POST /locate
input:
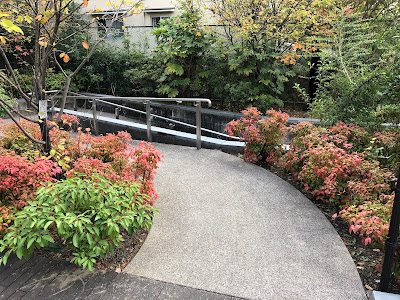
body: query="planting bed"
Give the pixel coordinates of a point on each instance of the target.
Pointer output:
(115, 261)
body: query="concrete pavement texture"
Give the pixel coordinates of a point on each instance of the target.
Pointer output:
(233, 228)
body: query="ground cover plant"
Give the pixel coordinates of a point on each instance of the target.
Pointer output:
(84, 195)
(344, 167)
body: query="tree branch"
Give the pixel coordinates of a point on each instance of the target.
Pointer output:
(19, 114)
(19, 125)
(11, 71)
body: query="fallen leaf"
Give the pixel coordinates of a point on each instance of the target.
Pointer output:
(376, 250)
(118, 270)
(360, 268)
(361, 263)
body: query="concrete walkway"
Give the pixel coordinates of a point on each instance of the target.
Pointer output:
(233, 228)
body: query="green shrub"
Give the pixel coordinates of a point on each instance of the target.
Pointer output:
(87, 213)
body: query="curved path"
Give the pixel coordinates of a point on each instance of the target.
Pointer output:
(233, 228)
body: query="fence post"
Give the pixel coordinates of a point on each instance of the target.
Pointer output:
(148, 121)
(198, 124)
(117, 112)
(75, 106)
(95, 125)
(52, 107)
(391, 240)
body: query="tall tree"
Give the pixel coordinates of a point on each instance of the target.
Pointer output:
(39, 24)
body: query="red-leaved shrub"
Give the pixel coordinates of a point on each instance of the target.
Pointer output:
(263, 138)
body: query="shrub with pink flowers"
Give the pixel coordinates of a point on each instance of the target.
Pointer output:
(263, 137)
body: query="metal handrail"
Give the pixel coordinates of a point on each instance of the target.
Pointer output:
(143, 99)
(147, 101)
(169, 119)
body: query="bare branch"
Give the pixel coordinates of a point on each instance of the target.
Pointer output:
(11, 71)
(64, 99)
(59, 66)
(19, 114)
(19, 125)
(76, 32)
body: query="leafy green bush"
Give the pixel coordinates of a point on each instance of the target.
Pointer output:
(358, 75)
(182, 43)
(87, 213)
(117, 71)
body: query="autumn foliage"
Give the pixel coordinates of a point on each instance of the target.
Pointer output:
(263, 137)
(23, 168)
(343, 165)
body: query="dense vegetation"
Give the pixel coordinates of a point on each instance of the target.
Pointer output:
(82, 195)
(345, 165)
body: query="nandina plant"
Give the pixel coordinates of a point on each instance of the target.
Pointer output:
(370, 220)
(345, 165)
(123, 163)
(12, 139)
(19, 180)
(263, 138)
(88, 213)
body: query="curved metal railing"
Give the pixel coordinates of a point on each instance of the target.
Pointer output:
(96, 98)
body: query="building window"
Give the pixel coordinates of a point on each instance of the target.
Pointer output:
(117, 30)
(155, 21)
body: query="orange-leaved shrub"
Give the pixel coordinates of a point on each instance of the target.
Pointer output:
(24, 167)
(349, 167)
(263, 137)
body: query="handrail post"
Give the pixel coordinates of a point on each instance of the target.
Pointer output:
(198, 124)
(148, 121)
(75, 106)
(52, 107)
(117, 112)
(95, 125)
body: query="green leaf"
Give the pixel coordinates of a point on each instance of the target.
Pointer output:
(75, 240)
(5, 257)
(174, 68)
(19, 252)
(47, 225)
(10, 27)
(30, 242)
(48, 238)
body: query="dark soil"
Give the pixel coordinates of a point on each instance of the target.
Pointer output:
(115, 261)
(367, 259)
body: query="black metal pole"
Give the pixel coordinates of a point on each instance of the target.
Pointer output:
(391, 240)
